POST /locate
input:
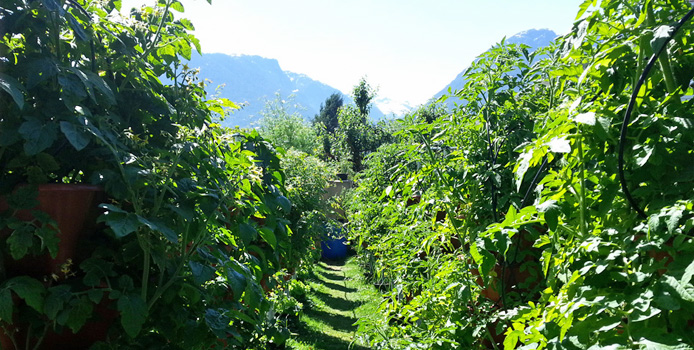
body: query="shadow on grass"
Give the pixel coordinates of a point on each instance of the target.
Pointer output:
(331, 325)
(325, 341)
(336, 286)
(331, 276)
(337, 322)
(336, 303)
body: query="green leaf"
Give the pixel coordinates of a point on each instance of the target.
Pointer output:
(667, 302)
(78, 313)
(483, 259)
(584, 7)
(643, 155)
(79, 139)
(100, 84)
(76, 27)
(176, 5)
(5, 305)
(660, 36)
(546, 260)
(673, 219)
(14, 88)
(57, 297)
(40, 70)
(201, 273)
(95, 270)
(49, 239)
(551, 210)
(269, 237)
(653, 345)
(168, 233)
(284, 203)
(684, 291)
(121, 224)
(236, 279)
(52, 5)
(21, 240)
(38, 135)
(133, 313)
(28, 289)
(688, 273)
(247, 232)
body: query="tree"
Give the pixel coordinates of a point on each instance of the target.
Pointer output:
(285, 127)
(327, 116)
(325, 122)
(363, 94)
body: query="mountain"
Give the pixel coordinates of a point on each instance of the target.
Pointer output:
(253, 80)
(535, 38)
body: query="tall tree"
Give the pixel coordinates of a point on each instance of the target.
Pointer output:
(363, 94)
(328, 112)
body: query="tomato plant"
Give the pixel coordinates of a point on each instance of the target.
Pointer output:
(505, 222)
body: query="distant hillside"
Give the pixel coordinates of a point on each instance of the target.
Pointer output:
(252, 80)
(535, 38)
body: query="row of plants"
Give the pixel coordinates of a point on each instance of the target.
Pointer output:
(553, 207)
(181, 227)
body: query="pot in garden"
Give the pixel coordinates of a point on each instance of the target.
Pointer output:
(334, 245)
(74, 208)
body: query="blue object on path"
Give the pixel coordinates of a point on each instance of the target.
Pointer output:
(334, 246)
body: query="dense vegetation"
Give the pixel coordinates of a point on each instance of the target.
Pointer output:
(505, 224)
(552, 208)
(195, 228)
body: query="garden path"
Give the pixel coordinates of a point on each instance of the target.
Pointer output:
(339, 297)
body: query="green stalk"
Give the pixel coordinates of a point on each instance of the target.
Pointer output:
(582, 177)
(664, 58)
(152, 45)
(56, 31)
(146, 264)
(449, 206)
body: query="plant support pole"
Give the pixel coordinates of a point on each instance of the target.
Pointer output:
(630, 109)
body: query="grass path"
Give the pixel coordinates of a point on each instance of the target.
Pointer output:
(339, 298)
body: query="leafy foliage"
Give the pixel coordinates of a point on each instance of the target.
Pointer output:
(287, 129)
(503, 224)
(195, 224)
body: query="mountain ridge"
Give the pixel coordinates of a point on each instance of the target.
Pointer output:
(535, 38)
(251, 80)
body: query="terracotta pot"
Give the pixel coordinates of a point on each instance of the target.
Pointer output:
(74, 208)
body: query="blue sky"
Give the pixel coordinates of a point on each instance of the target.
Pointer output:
(409, 49)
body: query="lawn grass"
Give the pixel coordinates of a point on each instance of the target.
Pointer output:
(339, 297)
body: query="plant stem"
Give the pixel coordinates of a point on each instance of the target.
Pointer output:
(144, 245)
(491, 339)
(582, 175)
(664, 58)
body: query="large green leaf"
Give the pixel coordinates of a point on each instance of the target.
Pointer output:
(30, 290)
(268, 236)
(79, 139)
(38, 134)
(5, 305)
(119, 221)
(237, 279)
(14, 88)
(21, 240)
(160, 227)
(201, 273)
(133, 313)
(57, 297)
